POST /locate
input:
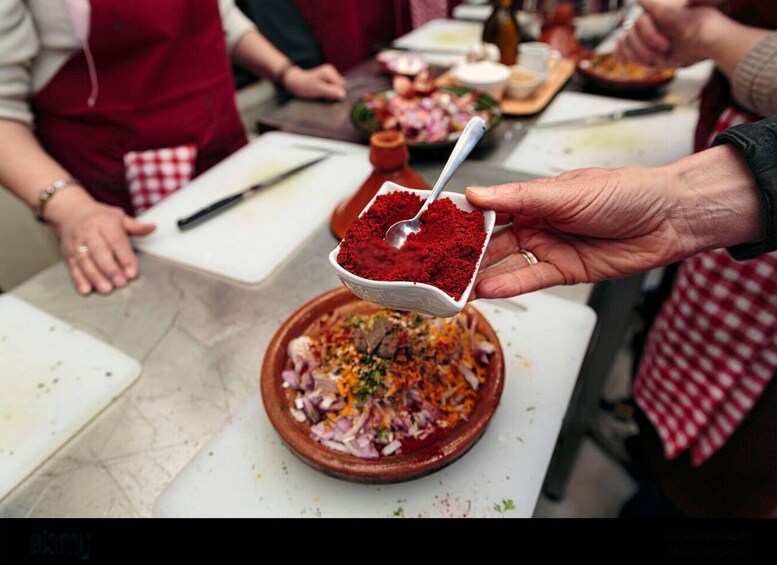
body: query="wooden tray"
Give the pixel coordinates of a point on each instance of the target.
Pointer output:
(513, 107)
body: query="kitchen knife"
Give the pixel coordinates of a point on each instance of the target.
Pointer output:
(219, 206)
(605, 118)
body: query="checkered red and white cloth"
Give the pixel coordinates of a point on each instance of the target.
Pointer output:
(156, 173)
(729, 118)
(712, 349)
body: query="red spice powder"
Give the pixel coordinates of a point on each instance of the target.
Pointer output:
(443, 254)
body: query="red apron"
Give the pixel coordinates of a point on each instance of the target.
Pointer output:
(164, 81)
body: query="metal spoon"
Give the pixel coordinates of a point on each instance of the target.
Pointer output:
(398, 233)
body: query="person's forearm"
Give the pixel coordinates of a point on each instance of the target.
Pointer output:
(729, 45)
(255, 53)
(26, 169)
(718, 202)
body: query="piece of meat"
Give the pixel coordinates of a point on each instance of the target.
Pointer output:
(388, 346)
(380, 328)
(359, 338)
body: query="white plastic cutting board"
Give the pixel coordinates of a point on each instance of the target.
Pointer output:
(53, 380)
(443, 42)
(249, 241)
(442, 35)
(642, 141)
(245, 470)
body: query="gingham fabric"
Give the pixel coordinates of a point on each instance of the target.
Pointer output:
(712, 349)
(729, 118)
(156, 173)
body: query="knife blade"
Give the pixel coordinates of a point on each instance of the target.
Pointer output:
(219, 206)
(605, 118)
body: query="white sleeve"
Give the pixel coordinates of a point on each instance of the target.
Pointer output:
(235, 23)
(19, 45)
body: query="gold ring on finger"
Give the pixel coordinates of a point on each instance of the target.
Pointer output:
(529, 256)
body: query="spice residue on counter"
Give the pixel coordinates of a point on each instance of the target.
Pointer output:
(444, 253)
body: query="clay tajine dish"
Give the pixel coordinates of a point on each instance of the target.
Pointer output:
(442, 450)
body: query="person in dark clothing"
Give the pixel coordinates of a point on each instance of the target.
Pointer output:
(591, 225)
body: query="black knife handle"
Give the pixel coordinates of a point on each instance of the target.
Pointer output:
(647, 110)
(215, 208)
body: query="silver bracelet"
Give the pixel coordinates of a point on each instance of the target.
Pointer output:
(45, 195)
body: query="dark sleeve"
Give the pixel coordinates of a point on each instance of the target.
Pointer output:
(757, 142)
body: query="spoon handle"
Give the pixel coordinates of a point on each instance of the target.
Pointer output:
(472, 133)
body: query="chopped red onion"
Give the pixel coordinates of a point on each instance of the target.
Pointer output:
(300, 352)
(363, 449)
(343, 425)
(335, 445)
(306, 381)
(320, 431)
(391, 447)
(469, 376)
(291, 378)
(359, 423)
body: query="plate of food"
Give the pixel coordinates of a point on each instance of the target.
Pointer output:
(380, 396)
(430, 117)
(606, 72)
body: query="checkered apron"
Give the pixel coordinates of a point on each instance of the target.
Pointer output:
(712, 349)
(156, 173)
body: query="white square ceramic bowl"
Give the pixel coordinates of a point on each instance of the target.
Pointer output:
(406, 295)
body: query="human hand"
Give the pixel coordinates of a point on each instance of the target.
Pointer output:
(94, 239)
(320, 82)
(591, 225)
(673, 33)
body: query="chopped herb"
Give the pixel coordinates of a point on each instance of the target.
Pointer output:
(399, 512)
(108, 374)
(373, 371)
(529, 408)
(519, 438)
(382, 435)
(504, 506)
